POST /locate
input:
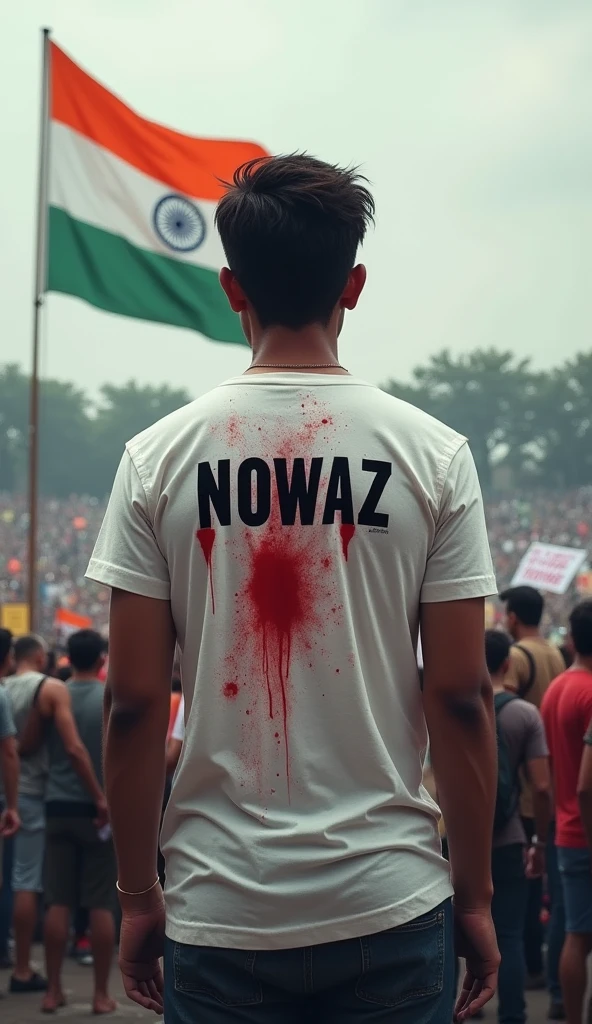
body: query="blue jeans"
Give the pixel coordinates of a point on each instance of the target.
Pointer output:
(556, 927)
(575, 867)
(508, 909)
(533, 929)
(405, 975)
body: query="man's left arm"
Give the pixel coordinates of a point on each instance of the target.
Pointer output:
(584, 790)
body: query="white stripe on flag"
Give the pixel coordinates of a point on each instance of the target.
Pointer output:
(98, 188)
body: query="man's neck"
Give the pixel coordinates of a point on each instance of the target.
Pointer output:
(313, 349)
(497, 683)
(528, 633)
(582, 663)
(84, 677)
(25, 667)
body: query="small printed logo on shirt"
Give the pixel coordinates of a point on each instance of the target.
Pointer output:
(375, 529)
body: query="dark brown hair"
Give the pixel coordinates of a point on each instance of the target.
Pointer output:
(291, 227)
(580, 622)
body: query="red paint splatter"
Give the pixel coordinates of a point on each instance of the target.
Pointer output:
(206, 538)
(346, 531)
(230, 690)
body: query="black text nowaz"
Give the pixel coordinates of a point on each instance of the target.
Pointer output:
(297, 486)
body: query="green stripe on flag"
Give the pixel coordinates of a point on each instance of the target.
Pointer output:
(109, 272)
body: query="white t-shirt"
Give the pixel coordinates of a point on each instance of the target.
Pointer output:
(178, 732)
(295, 523)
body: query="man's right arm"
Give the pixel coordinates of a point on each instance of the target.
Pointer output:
(585, 787)
(538, 771)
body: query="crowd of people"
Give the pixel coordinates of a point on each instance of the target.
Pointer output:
(68, 530)
(291, 534)
(58, 858)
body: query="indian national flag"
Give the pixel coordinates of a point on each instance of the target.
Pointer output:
(131, 208)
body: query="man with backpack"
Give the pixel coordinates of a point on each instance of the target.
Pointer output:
(521, 745)
(533, 664)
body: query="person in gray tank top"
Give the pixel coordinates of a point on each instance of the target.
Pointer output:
(35, 699)
(80, 869)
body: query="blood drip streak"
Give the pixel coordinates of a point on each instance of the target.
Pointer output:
(280, 611)
(283, 674)
(346, 531)
(206, 538)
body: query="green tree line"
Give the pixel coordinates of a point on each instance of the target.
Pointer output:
(529, 427)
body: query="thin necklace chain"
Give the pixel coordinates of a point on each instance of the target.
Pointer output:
(298, 366)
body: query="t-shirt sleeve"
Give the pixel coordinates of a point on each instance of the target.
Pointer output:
(459, 563)
(7, 726)
(127, 555)
(535, 743)
(178, 732)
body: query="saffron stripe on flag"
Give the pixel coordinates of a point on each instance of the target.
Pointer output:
(189, 165)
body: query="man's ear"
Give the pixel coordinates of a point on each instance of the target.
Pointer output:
(353, 288)
(234, 292)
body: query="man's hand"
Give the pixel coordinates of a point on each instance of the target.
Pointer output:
(476, 942)
(535, 862)
(141, 945)
(102, 817)
(10, 823)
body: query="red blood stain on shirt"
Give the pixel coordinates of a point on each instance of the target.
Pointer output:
(283, 603)
(346, 531)
(206, 538)
(230, 690)
(281, 599)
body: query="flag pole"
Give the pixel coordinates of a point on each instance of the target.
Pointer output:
(40, 287)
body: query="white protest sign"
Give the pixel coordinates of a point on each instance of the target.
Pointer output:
(549, 567)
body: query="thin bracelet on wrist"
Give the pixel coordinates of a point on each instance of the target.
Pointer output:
(539, 844)
(143, 892)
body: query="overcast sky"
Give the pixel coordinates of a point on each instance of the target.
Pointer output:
(471, 118)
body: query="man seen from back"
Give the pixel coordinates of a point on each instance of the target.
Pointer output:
(534, 663)
(567, 713)
(290, 530)
(36, 698)
(524, 747)
(80, 871)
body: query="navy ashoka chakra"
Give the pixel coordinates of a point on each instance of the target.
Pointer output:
(178, 223)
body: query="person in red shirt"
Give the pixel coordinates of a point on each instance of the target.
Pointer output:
(567, 710)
